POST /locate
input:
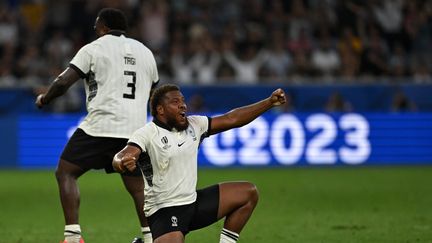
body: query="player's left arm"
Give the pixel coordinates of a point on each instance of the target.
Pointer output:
(243, 115)
(58, 87)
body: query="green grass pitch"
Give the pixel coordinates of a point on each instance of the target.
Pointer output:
(344, 204)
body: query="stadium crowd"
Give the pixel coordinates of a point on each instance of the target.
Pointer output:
(230, 41)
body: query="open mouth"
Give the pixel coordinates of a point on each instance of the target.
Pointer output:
(182, 116)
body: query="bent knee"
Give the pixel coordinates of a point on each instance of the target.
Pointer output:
(253, 193)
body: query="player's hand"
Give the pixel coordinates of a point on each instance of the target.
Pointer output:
(117, 165)
(128, 162)
(278, 97)
(126, 159)
(38, 101)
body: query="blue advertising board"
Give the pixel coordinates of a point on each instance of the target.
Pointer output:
(271, 140)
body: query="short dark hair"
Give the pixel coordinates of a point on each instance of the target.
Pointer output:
(113, 19)
(159, 94)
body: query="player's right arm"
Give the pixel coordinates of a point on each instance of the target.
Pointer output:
(126, 158)
(60, 85)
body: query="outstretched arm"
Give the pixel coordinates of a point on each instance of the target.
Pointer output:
(243, 115)
(126, 159)
(60, 85)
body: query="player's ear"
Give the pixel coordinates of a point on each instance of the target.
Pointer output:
(103, 30)
(100, 28)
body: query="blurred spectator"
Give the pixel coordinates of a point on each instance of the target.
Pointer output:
(350, 49)
(279, 61)
(300, 27)
(349, 41)
(7, 80)
(401, 103)
(59, 48)
(300, 43)
(30, 68)
(388, 14)
(375, 56)
(325, 58)
(7, 56)
(398, 62)
(8, 26)
(337, 103)
(422, 37)
(352, 14)
(417, 26)
(57, 15)
(323, 14)
(225, 73)
(247, 67)
(302, 66)
(421, 71)
(33, 15)
(276, 15)
(154, 23)
(181, 64)
(350, 65)
(206, 59)
(411, 19)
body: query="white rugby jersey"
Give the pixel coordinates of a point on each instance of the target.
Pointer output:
(170, 174)
(119, 73)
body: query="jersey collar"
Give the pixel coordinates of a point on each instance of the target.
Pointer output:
(116, 32)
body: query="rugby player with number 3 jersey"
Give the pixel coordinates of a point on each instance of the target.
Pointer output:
(119, 73)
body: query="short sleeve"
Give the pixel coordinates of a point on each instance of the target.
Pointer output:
(203, 124)
(138, 138)
(81, 61)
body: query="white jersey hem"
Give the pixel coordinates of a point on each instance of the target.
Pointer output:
(154, 209)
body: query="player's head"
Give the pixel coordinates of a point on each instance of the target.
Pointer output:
(168, 105)
(109, 19)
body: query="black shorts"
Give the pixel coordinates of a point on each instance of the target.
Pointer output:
(90, 152)
(203, 212)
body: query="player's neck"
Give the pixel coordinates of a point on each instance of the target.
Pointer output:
(162, 123)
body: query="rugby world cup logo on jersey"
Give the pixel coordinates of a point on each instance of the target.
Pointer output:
(164, 140)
